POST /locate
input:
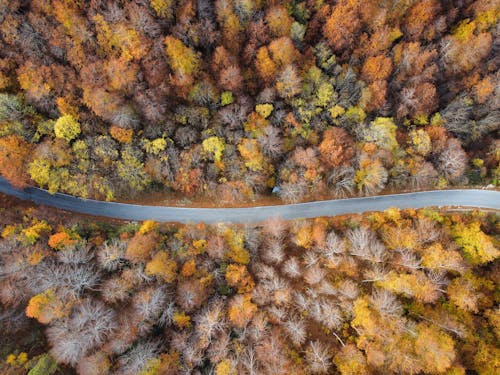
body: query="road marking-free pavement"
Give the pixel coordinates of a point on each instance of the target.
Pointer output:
(489, 199)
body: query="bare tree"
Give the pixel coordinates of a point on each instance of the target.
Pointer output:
(87, 327)
(365, 245)
(271, 142)
(111, 255)
(69, 279)
(386, 302)
(453, 160)
(291, 268)
(272, 251)
(135, 360)
(318, 357)
(148, 306)
(426, 230)
(293, 192)
(76, 254)
(375, 273)
(348, 289)
(296, 330)
(275, 227)
(115, 289)
(210, 321)
(409, 259)
(314, 274)
(248, 361)
(334, 245)
(341, 181)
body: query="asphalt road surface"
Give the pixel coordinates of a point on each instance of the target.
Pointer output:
(489, 199)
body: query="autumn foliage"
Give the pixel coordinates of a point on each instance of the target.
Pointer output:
(398, 291)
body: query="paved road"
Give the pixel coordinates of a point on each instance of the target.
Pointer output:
(471, 198)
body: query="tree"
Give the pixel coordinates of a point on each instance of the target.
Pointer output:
(283, 51)
(376, 68)
(351, 361)
(288, 83)
(67, 128)
(464, 292)
(60, 240)
(382, 132)
(97, 363)
(162, 8)
(120, 134)
(238, 277)
(45, 365)
(478, 248)
(419, 19)
(318, 357)
(278, 21)
(342, 25)
(140, 247)
(371, 177)
(183, 60)
(214, 146)
(191, 294)
(265, 65)
(336, 148)
(241, 310)
(45, 307)
(251, 153)
(416, 285)
(225, 367)
(162, 267)
(434, 348)
(15, 153)
(75, 336)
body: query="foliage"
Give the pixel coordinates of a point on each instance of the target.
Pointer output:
(385, 293)
(161, 266)
(14, 155)
(60, 240)
(45, 365)
(475, 244)
(45, 307)
(215, 146)
(67, 128)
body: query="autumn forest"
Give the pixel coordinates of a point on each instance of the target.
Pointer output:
(236, 98)
(236, 102)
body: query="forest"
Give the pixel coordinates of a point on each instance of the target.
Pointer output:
(235, 102)
(393, 292)
(236, 99)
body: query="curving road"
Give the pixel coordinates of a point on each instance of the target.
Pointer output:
(471, 198)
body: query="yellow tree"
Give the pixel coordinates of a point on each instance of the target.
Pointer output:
(67, 128)
(162, 267)
(351, 361)
(214, 146)
(238, 277)
(476, 245)
(434, 348)
(183, 60)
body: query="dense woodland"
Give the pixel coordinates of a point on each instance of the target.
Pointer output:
(232, 98)
(395, 292)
